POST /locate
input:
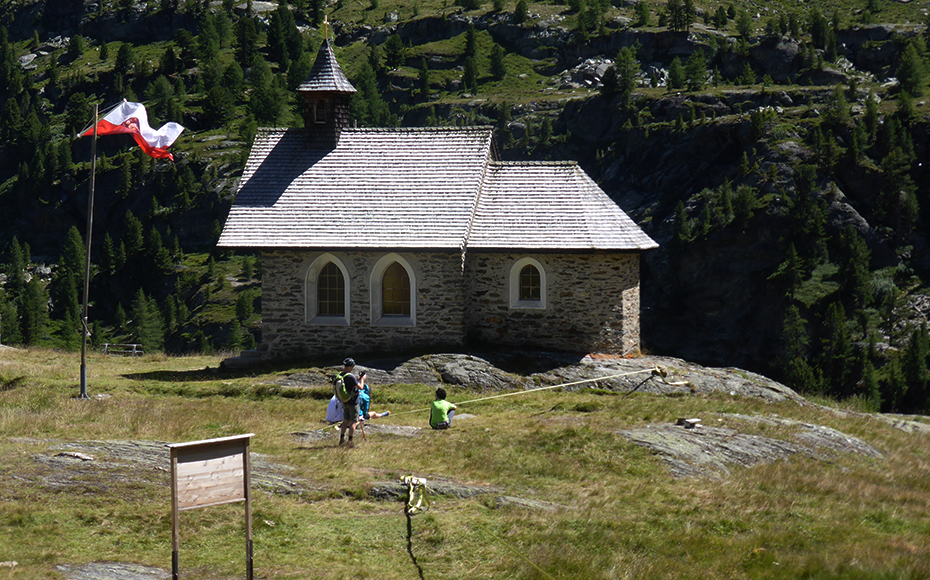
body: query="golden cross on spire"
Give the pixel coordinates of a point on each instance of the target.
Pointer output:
(325, 27)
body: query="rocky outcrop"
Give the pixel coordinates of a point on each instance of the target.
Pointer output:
(733, 441)
(513, 369)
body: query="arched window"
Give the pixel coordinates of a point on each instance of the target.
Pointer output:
(330, 292)
(319, 111)
(527, 284)
(395, 291)
(326, 291)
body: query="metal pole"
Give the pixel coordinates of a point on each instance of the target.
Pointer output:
(87, 241)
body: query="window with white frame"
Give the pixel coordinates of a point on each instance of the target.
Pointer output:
(327, 292)
(527, 284)
(393, 292)
(330, 291)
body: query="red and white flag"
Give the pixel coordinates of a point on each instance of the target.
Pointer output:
(131, 118)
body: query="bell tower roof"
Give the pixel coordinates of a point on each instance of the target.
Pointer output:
(326, 75)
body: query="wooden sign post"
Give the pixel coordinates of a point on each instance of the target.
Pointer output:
(210, 472)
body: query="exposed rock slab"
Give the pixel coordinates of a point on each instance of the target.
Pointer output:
(711, 451)
(391, 490)
(112, 571)
(95, 466)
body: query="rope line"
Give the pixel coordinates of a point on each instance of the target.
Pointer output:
(654, 370)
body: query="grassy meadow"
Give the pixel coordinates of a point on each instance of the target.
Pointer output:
(614, 510)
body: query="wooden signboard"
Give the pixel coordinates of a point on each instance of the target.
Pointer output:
(210, 472)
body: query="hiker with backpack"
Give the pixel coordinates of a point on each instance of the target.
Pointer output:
(346, 388)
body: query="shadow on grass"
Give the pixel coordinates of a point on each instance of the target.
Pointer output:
(213, 374)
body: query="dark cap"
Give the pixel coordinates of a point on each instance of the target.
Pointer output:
(348, 363)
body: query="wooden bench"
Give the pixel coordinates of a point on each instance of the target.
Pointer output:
(123, 349)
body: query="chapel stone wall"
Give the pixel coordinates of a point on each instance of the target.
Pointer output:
(592, 303)
(287, 332)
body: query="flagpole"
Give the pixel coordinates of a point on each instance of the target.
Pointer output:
(90, 227)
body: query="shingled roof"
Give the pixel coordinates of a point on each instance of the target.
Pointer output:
(326, 75)
(438, 189)
(549, 206)
(378, 188)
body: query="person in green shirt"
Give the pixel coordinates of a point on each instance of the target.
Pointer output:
(441, 411)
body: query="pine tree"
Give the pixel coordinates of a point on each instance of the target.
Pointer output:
(642, 15)
(69, 311)
(911, 71)
(471, 43)
(682, 227)
(67, 304)
(696, 71)
(296, 73)
(248, 267)
(676, 75)
(915, 371)
(520, 12)
(802, 377)
(119, 318)
(158, 255)
(748, 76)
(234, 342)
(628, 70)
(9, 322)
(498, 67)
(679, 15)
(790, 270)
(246, 39)
(394, 50)
(837, 350)
(124, 60)
(854, 266)
(744, 205)
(219, 106)
(132, 235)
(794, 334)
(208, 41)
(109, 255)
(34, 312)
(147, 326)
(245, 305)
(470, 75)
(609, 82)
(366, 105)
(869, 389)
(744, 25)
(72, 254)
(817, 26)
(16, 269)
(268, 97)
(423, 79)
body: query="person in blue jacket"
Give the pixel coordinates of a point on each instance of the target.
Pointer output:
(364, 402)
